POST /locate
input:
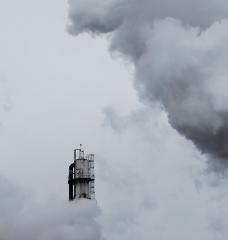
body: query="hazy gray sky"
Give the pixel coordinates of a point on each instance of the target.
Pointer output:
(58, 86)
(59, 90)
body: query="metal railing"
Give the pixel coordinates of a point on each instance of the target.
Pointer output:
(83, 175)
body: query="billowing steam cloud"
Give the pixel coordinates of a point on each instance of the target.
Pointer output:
(22, 218)
(180, 53)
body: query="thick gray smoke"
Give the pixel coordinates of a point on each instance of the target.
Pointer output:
(180, 53)
(23, 218)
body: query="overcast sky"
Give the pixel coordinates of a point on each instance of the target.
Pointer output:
(55, 87)
(58, 91)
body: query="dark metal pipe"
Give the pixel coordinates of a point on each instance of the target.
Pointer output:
(71, 182)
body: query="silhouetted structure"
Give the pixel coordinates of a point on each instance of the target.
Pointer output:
(81, 176)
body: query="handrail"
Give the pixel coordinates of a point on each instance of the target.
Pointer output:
(81, 175)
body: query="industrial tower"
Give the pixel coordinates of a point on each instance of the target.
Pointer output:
(81, 176)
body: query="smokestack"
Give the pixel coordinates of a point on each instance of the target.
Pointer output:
(81, 176)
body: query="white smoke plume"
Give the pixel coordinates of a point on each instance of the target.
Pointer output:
(23, 218)
(160, 189)
(180, 54)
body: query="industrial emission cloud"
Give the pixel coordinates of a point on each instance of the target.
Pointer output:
(24, 218)
(180, 55)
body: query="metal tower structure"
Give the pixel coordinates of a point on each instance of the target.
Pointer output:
(81, 176)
